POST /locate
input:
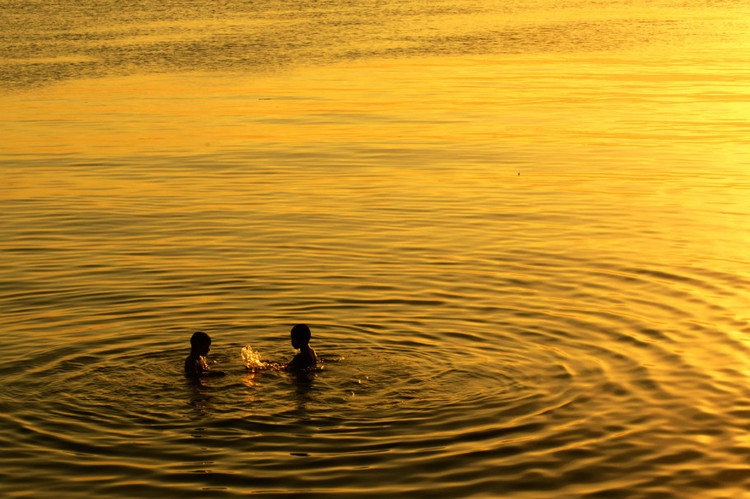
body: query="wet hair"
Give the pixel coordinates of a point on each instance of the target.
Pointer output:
(199, 338)
(302, 332)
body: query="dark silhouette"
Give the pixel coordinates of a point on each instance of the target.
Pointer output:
(195, 364)
(306, 357)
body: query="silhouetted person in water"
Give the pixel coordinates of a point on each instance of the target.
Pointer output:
(306, 357)
(195, 364)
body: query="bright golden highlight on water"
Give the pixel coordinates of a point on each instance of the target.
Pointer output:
(490, 102)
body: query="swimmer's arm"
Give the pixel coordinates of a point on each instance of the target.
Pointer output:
(206, 372)
(293, 364)
(300, 362)
(203, 371)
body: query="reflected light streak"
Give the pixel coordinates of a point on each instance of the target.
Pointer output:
(499, 102)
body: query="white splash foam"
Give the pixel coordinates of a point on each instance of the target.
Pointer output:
(251, 358)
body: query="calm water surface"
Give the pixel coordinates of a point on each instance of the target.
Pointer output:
(518, 230)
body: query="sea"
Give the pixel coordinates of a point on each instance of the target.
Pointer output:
(519, 231)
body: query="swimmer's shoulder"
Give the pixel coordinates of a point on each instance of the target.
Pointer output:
(191, 366)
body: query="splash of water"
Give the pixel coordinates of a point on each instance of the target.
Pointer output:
(251, 358)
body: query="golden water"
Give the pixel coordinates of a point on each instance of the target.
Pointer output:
(518, 230)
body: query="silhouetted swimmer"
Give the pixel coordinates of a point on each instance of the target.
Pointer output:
(306, 357)
(195, 364)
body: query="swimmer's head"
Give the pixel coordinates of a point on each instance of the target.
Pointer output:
(200, 342)
(300, 335)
